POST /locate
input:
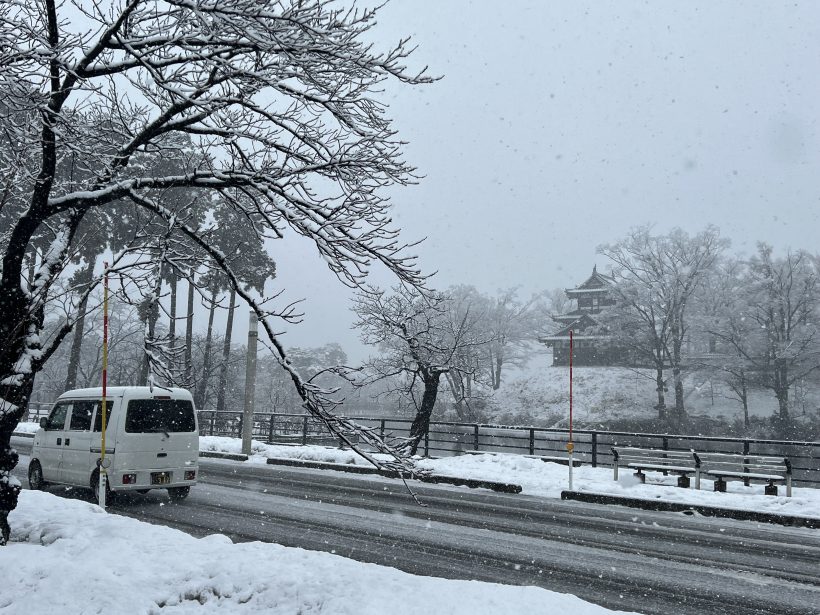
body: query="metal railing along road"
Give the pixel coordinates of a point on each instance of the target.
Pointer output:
(449, 438)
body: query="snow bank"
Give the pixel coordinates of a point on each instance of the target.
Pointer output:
(68, 556)
(26, 427)
(261, 452)
(549, 479)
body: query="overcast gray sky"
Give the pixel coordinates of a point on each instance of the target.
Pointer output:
(557, 126)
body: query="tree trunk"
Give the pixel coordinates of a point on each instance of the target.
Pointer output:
(202, 385)
(150, 329)
(13, 407)
(499, 361)
(421, 423)
(781, 389)
(659, 387)
(458, 395)
(189, 334)
(79, 327)
(226, 354)
(172, 327)
(676, 370)
(20, 312)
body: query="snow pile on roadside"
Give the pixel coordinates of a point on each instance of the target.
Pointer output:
(549, 479)
(26, 427)
(260, 451)
(69, 556)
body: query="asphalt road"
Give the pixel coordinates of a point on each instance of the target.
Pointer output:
(649, 562)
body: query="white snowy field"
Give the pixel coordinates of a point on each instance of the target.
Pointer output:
(549, 479)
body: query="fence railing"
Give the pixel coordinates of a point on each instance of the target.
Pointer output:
(448, 438)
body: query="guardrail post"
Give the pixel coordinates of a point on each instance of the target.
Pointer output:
(213, 424)
(532, 441)
(475, 437)
(665, 443)
(594, 449)
(427, 444)
(304, 430)
(270, 428)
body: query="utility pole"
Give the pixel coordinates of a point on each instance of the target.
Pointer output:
(250, 384)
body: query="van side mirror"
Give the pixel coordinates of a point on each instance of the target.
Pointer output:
(43, 421)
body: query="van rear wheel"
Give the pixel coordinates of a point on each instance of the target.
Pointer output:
(95, 489)
(35, 476)
(177, 494)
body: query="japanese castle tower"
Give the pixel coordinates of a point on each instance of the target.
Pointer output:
(591, 343)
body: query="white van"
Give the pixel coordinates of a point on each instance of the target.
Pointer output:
(151, 441)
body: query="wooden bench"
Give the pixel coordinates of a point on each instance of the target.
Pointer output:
(728, 466)
(681, 463)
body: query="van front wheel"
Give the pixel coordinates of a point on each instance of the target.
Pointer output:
(177, 494)
(35, 476)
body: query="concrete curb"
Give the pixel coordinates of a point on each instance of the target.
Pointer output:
(220, 455)
(322, 465)
(706, 511)
(435, 479)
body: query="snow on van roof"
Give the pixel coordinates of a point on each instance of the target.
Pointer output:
(131, 390)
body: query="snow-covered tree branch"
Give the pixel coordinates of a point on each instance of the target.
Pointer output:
(276, 103)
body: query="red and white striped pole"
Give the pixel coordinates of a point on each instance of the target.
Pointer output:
(570, 445)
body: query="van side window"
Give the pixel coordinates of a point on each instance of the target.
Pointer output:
(81, 412)
(98, 414)
(56, 420)
(160, 415)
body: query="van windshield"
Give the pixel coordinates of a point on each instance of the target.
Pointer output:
(159, 416)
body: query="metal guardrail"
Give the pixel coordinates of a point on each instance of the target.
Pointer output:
(448, 438)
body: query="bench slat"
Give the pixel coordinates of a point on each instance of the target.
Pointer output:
(744, 475)
(661, 467)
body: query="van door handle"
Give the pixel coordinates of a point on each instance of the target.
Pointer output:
(162, 454)
(59, 441)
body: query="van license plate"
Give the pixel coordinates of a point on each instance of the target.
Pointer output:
(160, 478)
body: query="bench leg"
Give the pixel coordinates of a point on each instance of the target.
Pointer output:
(770, 489)
(683, 481)
(640, 476)
(720, 485)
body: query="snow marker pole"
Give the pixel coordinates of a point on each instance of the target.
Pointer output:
(103, 480)
(570, 445)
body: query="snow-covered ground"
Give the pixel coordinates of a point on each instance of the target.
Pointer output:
(549, 479)
(68, 556)
(540, 392)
